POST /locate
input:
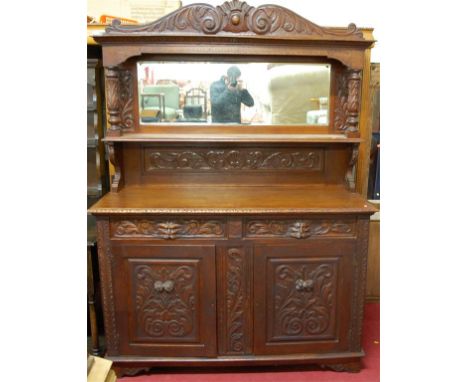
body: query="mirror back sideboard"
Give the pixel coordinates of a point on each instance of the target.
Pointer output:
(233, 244)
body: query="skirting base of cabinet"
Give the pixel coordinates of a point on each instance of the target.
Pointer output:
(131, 365)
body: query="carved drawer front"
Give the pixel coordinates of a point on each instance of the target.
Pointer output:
(170, 228)
(302, 298)
(298, 228)
(166, 300)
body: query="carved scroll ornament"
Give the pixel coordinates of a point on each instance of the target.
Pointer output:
(165, 308)
(236, 17)
(303, 310)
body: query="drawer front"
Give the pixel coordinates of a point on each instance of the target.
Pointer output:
(302, 297)
(168, 228)
(299, 228)
(166, 300)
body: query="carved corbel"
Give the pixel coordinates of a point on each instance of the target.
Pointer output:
(350, 177)
(119, 97)
(114, 157)
(353, 79)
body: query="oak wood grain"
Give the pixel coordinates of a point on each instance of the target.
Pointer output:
(224, 199)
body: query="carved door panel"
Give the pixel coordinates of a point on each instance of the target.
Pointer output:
(302, 297)
(166, 300)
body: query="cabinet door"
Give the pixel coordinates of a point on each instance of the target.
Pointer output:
(165, 300)
(302, 297)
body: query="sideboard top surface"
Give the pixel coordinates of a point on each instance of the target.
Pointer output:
(223, 199)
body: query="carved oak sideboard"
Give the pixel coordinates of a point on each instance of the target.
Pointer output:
(233, 244)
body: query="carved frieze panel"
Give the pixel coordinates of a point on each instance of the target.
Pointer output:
(237, 17)
(299, 229)
(303, 299)
(168, 229)
(165, 300)
(209, 159)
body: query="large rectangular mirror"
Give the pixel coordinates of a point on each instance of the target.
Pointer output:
(247, 93)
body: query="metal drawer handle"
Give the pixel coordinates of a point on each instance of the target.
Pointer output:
(304, 285)
(167, 286)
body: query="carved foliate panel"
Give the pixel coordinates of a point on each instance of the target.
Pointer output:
(237, 17)
(341, 103)
(348, 97)
(299, 229)
(165, 298)
(119, 98)
(303, 299)
(168, 229)
(112, 77)
(126, 99)
(257, 159)
(237, 302)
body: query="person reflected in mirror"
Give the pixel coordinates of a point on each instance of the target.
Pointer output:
(226, 95)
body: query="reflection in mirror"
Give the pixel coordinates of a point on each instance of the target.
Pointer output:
(247, 93)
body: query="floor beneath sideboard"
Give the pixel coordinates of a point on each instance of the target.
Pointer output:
(369, 373)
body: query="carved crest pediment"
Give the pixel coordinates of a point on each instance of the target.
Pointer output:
(236, 17)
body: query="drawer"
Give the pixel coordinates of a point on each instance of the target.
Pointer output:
(299, 228)
(216, 227)
(168, 228)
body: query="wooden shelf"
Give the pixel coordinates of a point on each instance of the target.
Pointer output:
(234, 137)
(222, 199)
